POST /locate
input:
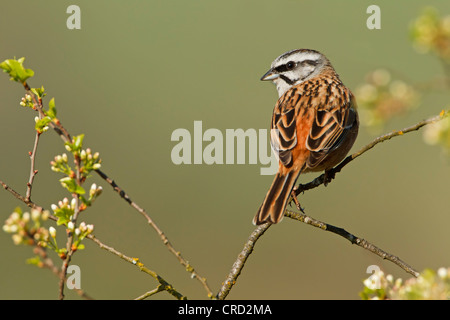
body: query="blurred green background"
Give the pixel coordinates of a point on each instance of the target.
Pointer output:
(137, 70)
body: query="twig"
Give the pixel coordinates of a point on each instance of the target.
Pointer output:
(164, 239)
(33, 171)
(48, 264)
(353, 239)
(165, 285)
(55, 125)
(69, 243)
(17, 195)
(150, 293)
(240, 261)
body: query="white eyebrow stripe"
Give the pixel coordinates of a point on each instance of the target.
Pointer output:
(298, 57)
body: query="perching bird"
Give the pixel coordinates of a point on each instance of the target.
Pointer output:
(314, 124)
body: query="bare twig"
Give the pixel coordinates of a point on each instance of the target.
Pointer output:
(163, 283)
(353, 239)
(33, 171)
(240, 261)
(161, 234)
(150, 293)
(17, 195)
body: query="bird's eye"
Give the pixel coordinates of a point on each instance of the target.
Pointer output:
(290, 65)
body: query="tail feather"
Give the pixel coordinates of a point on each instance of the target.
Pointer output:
(273, 206)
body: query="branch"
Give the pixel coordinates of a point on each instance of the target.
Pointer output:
(240, 261)
(164, 239)
(69, 243)
(150, 293)
(164, 285)
(33, 171)
(353, 239)
(48, 263)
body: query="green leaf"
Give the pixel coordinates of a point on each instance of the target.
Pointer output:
(80, 246)
(63, 215)
(34, 261)
(51, 109)
(39, 92)
(71, 185)
(42, 123)
(78, 142)
(16, 70)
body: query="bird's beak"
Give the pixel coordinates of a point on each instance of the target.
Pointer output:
(270, 75)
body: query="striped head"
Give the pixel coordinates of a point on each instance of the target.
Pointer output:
(295, 67)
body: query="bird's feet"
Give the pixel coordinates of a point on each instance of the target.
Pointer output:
(297, 203)
(328, 176)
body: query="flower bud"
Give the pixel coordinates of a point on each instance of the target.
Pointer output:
(82, 226)
(52, 232)
(73, 203)
(44, 215)
(90, 228)
(26, 217)
(35, 214)
(17, 239)
(15, 217)
(70, 226)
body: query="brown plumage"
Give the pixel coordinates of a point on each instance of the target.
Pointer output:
(314, 124)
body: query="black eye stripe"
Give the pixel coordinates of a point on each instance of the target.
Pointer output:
(291, 65)
(286, 67)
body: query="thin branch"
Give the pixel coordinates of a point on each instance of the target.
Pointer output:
(55, 124)
(164, 239)
(353, 239)
(165, 285)
(33, 171)
(150, 293)
(240, 261)
(18, 196)
(69, 243)
(48, 264)
(321, 179)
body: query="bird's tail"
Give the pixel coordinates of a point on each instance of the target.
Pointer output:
(273, 206)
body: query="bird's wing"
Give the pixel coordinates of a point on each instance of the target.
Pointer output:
(329, 129)
(283, 136)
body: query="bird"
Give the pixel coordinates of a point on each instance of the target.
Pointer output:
(314, 124)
